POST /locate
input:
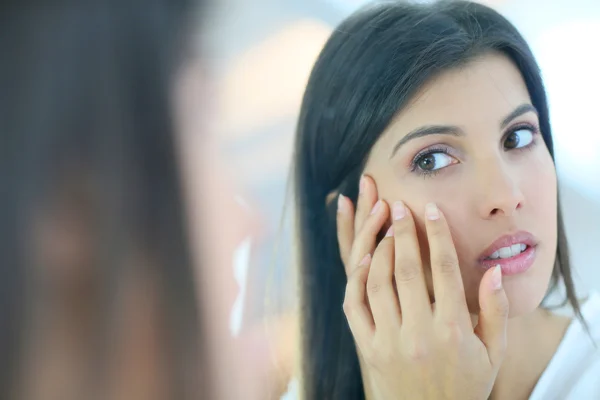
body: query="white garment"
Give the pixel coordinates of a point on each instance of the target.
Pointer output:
(574, 371)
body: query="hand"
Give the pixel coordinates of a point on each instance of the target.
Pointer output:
(407, 349)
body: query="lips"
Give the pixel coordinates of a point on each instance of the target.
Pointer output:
(514, 253)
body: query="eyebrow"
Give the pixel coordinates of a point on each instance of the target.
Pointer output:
(456, 131)
(426, 131)
(522, 109)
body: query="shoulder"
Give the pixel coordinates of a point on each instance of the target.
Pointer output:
(590, 309)
(574, 370)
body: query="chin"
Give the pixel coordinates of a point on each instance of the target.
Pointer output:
(526, 291)
(523, 303)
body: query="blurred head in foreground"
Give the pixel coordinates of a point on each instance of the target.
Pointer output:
(98, 294)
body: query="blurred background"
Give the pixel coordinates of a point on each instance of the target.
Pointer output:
(262, 53)
(256, 57)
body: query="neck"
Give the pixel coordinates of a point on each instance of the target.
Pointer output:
(532, 341)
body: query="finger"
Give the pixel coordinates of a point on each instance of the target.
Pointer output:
(380, 288)
(408, 271)
(493, 316)
(357, 312)
(365, 239)
(447, 281)
(367, 198)
(345, 229)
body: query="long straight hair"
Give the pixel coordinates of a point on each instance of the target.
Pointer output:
(85, 103)
(371, 66)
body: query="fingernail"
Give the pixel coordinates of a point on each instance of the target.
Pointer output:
(432, 212)
(376, 207)
(341, 203)
(399, 210)
(497, 278)
(362, 184)
(365, 261)
(390, 231)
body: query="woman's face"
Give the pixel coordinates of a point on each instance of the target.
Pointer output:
(486, 166)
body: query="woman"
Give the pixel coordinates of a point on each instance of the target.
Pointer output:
(101, 276)
(443, 257)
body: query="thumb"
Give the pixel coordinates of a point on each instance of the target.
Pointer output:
(493, 316)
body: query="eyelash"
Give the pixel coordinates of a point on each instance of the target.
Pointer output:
(432, 150)
(444, 150)
(534, 131)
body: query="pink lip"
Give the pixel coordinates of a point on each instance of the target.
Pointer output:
(513, 265)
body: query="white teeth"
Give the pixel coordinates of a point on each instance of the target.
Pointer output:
(508, 252)
(505, 252)
(515, 249)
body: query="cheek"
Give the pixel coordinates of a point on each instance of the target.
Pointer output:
(451, 200)
(422, 192)
(540, 191)
(540, 187)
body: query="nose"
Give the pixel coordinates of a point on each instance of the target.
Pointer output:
(501, 195)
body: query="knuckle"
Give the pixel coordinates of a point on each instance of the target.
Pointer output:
(417, 350)
(406, 272)
(373, 288)
(447, 264)
(451, 334)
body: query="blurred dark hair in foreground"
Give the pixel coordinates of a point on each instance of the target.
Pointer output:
(93, 235)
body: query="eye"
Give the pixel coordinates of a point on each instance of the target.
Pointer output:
(434, 161)
(521, 137)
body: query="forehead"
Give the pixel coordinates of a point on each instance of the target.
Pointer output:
(479, 94)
